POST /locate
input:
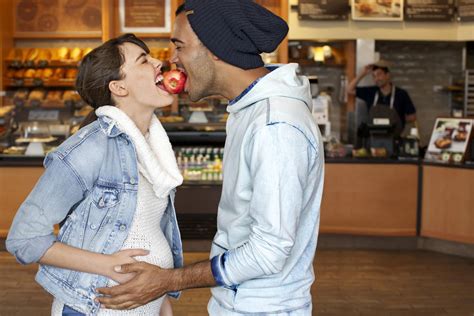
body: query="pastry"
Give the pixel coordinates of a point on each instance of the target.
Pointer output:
(38, 73)
(45, 54)
(47, 73)
(21, 94)
(32, 54)
(20, 73)
(11, 73)
(71, 73)
(443, 143)
(59, 73)
(84, 111)
(63, 53)
(29, 73)
(15, 54)
(460, 136)
(36, 94)
(76, 54)
(54, 96)
(71, 95)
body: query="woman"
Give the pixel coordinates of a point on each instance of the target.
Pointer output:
(111, 184)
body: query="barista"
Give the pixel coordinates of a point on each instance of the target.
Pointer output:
(384, 98)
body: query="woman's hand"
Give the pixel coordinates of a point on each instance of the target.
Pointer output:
(166, 307)
(123, 257)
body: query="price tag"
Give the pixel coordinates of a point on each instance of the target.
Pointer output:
(29, 63)
(38, 82)
(18, 82)
(42, 63)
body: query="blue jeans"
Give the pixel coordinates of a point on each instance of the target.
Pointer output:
(67, 311)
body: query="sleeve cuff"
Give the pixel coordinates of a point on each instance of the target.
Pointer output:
(33, 251)
(174, 295)
(218, 271)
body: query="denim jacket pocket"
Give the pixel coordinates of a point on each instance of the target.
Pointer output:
(102, 212)
(105, 197)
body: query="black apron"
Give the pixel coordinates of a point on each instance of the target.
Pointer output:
(382, 111)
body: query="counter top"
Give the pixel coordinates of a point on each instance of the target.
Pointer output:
(24, 161)
(20, 161)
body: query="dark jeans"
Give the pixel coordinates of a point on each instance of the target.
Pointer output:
(67, 311)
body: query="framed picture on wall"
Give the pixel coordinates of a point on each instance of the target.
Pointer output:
(377, 10)
(145, 16)
(449, 140)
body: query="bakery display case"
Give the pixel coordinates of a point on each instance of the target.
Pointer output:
(39, 85)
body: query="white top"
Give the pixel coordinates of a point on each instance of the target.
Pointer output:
(156, 179)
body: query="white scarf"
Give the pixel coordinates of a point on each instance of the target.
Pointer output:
(156, 159)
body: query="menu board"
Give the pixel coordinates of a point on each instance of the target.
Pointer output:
(60, 16)
(377, 10)
(323, 10)
(466, 10)
(429, 10)
(449, 140)
(145, 16)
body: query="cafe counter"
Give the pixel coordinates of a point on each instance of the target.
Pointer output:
(361, 197)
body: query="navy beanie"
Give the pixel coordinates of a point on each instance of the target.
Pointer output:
(236, 31)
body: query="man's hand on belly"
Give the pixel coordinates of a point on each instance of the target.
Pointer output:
(151, 282)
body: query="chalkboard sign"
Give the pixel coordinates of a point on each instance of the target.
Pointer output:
(325, 10)
(429, 10)
(466, 10)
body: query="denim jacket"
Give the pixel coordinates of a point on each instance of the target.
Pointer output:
(268, 219)
(90, 184)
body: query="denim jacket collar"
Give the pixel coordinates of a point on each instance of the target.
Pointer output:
(109, 126)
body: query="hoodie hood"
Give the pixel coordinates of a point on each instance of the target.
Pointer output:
(284, 80)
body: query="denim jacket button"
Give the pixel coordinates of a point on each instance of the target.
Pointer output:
(132, 181)
(123, 227)
(92, 226)
(101, 203)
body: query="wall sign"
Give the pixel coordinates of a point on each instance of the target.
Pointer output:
(466, 10)
(145, 16)
(429, 10)
(323, 10)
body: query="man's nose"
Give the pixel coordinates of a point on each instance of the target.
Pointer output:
(174, 57)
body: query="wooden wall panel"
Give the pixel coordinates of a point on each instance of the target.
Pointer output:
(15, 183)
(370, 199)
(448, 203)
(6, 39)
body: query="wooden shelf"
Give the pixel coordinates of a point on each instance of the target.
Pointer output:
(42, 63)
(31, 83)
(44, 35)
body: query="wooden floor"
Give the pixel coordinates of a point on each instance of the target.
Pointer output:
(349, 282)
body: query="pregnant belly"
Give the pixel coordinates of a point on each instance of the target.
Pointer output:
(158, 247)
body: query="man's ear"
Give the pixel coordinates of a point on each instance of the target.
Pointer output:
(117, 87)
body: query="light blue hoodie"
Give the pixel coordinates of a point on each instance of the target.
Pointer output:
(268, 218)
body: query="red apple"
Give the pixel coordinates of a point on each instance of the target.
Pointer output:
(174, 80)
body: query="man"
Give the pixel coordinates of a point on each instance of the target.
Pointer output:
(268, 216)
(384, 92)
